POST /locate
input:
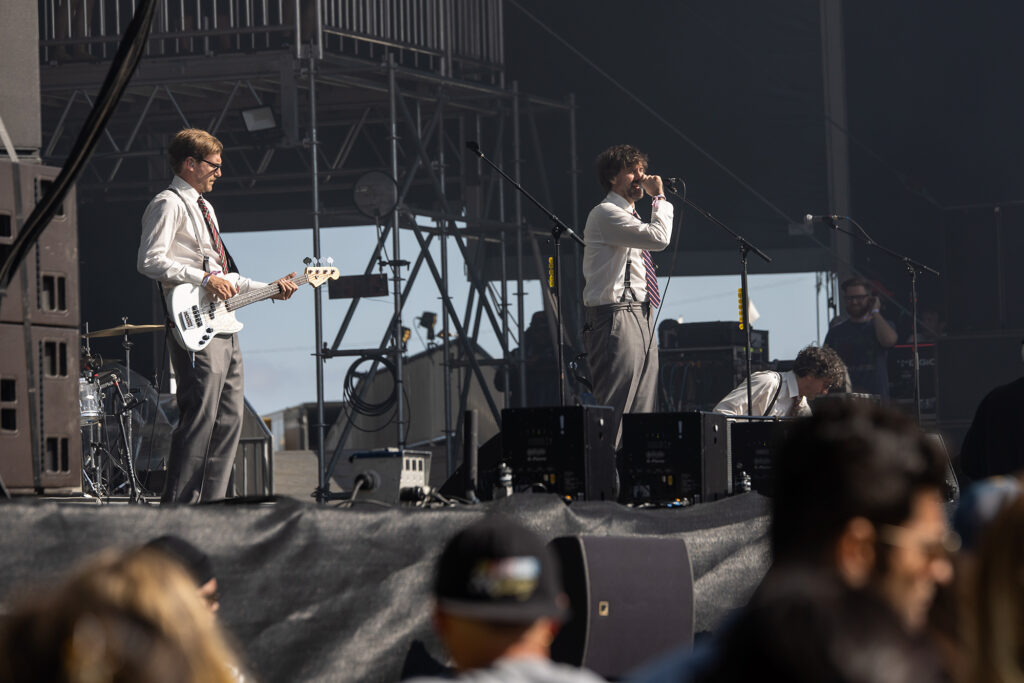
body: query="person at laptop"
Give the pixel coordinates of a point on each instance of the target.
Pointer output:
(786, 394)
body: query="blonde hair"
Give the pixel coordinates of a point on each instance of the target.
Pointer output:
(191, 142)
(125, 616)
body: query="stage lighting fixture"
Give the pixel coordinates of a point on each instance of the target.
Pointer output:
(428, 320)
(259, 118)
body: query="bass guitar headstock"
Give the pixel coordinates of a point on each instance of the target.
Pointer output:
(319, 271)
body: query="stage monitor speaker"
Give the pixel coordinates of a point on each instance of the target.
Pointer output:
(669, 457)
(753, 445)
(631, 600)
(567, 450)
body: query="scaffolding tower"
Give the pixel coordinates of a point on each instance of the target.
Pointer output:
(309, 96)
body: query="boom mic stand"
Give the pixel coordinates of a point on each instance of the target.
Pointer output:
(745, 248)
(913, 269)
(558, 228)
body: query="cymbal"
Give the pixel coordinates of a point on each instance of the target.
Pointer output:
(122, 329)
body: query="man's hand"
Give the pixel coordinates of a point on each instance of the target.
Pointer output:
(652, 185)
(874, 304)
(219, 288)
(287, 287)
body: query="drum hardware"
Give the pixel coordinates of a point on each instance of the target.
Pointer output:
(100, 463)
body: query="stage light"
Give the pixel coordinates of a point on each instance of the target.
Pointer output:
(428, 320)
(259, 118)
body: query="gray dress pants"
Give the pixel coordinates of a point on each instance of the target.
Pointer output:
(210, 405)
(623, 358)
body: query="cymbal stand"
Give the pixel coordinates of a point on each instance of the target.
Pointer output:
(127, 345)
(128, 402)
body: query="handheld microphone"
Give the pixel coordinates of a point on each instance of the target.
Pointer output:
(831, 218)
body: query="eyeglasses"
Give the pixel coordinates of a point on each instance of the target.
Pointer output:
(852, 297)
(216, 167)
(935, 548)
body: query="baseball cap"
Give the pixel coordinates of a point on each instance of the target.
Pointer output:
(497, 570)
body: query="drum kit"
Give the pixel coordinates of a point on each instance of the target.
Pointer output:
(107, 403)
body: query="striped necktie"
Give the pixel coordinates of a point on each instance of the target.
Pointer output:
(653, 295)
(222, 257)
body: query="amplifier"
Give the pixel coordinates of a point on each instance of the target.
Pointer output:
(677, 335)
(698, 378)
(753, 445)
(901, 377)
(567, 450)
(668, 457)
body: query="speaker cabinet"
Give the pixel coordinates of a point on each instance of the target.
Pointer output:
(40, 433)
(753, 446)
(569, 451)
(631, 599)
(51, 267)
(669, 457)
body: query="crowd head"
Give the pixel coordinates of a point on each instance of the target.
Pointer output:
(498, 589)
(858, 490)
(123, 616)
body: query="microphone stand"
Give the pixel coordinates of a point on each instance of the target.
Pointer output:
(745, 248)
(913, 269)
(558, 228)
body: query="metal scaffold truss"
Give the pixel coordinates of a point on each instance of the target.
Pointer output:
(347, 88)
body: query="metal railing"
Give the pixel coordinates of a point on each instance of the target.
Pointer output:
(460, 38)
(452, 37)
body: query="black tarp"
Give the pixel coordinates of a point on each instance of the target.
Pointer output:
(326, 594)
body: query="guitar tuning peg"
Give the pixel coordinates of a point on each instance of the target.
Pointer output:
(330, 261)
(307, 260)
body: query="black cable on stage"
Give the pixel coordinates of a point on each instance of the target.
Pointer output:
(121, 69)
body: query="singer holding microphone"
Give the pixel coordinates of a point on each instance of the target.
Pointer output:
(621, 289)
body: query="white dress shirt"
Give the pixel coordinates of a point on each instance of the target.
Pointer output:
(175, 239)
(613, 236)
(762, 388)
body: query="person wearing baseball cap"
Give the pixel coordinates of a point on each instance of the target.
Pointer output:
(499, 604)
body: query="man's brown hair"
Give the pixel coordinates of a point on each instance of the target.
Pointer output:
(615, 159)
(192, 142)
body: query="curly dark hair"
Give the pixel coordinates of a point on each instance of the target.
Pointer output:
(821, 362)
(615, 159)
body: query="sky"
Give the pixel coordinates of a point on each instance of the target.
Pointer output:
(278, 339)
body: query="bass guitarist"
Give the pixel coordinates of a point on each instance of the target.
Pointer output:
(181, 244)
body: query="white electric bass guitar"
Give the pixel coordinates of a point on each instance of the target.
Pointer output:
(198, 317)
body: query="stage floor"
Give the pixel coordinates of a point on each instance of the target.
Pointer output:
(315, 593)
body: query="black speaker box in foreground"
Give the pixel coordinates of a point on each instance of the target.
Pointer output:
(668, 457)
(566, 450)
(631, 600)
